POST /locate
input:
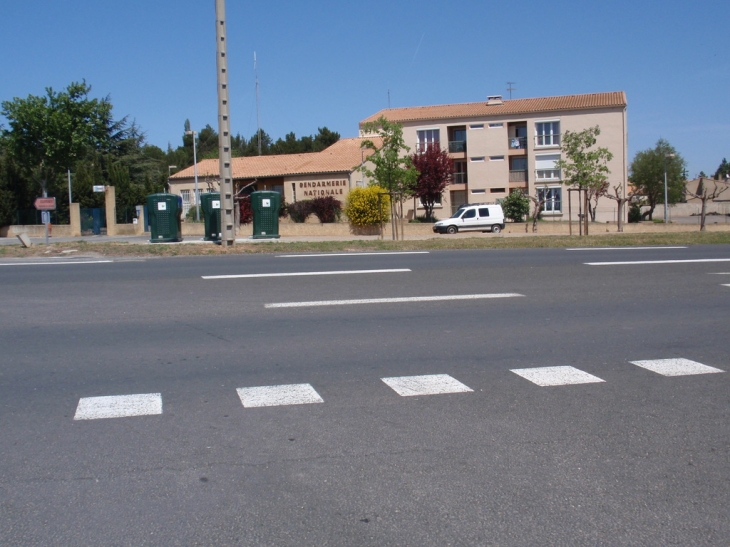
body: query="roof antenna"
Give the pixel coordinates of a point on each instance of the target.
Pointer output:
(388, 98)
(258, 116)
(510, 88)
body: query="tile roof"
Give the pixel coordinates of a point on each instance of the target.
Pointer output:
(342, 156)
(508, 107)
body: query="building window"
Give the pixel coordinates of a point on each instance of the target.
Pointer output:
(427, 138)
(496, 158)
(476, 126)
(459, 172)
(479, 191)
(477, 159)
(185, 195)
(495, 125)
(553, 199)
(547, 134)
(545, 167)
(497, 190)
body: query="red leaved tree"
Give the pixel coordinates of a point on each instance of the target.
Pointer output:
(435, 170)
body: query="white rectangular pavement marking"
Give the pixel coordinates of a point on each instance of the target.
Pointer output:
(299, 274)
(291, 394)
(556, 376)
(621, 248)
(658, 262)
(429, 384)
(676, 367)
(118, 406)
(355, 254)
(391, 300)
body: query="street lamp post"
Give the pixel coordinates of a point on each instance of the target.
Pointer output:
(169, 172)
(195, 174)
(666, 156)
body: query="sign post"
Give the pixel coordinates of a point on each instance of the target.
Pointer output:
(45, 205)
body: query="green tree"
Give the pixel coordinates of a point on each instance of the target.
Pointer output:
(324, 139)
(516, 206)
(646, 173)
(47, 134)
(723, 171)
(584, 166)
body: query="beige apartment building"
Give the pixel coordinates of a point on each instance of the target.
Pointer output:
(331, 172)
(501, 145)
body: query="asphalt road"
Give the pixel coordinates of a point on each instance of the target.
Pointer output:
(633, 457)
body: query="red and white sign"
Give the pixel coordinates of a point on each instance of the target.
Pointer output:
(45, 204)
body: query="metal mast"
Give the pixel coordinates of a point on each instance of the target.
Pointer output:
(228, 236)
(258, 113)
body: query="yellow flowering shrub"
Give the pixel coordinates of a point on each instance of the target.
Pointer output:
(362, 206)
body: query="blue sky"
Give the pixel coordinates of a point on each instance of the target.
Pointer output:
(327, 63)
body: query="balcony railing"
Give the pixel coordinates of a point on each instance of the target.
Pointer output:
(518, 143)
(457, 146)
(459, 178)
(519, 175)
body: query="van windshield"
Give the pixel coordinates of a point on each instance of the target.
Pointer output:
(457, 214)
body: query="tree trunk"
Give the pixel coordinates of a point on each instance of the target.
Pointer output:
(702, 215)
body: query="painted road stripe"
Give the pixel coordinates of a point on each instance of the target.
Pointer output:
(621, 248)
(430, 384)
(118, 406)
(57, 263)
(676, 367)
(556, 376)
(299, 274)
(658, 262)
(391, 300)
(356, 254)
(292, 394)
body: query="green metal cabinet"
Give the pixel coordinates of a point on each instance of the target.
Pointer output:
(265, 208)
(210, 203)
(165, 217)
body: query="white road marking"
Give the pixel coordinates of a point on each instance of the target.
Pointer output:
(430, 384)
(718, 273)
(299, 274)
(725, 285)
(355, 254)
(118, 406)
(292, 394)
(55, 263)
(658, 262)
(391, 300)
(556, 376)
(676, 367)
(621, 248)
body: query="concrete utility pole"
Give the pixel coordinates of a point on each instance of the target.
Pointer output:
(228, 236)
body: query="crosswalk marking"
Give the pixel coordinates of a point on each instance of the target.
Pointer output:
(118, 406)
(676, 367)
(430, 384)
(291, 394)
(556, 376)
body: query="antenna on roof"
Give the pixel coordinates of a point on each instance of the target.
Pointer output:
(510, 88)
(388, 98)
(258, 117)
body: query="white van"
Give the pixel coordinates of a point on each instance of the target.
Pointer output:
(473, 216)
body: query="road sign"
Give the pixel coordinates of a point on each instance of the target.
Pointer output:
(45, 204)
(99, 188)
(45, 217)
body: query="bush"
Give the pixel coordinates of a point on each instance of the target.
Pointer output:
(516, 206)
(634, 213)
(327, 209)
(244, 205)
(190, 216)
(362, 206)
(299, 210)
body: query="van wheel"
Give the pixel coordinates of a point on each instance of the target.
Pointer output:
(452, 230)
(496, 229)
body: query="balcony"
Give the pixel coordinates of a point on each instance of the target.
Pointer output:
(518, 143)
(459, 178)
(457, 146)
(519, 175)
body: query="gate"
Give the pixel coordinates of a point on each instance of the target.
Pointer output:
(92, 221)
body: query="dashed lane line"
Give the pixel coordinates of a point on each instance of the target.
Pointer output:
(429, 384)
(556, 376)
(55, 263)
(391, 300)
(118, 406)
(621, 248)
(676, 367)
(354, 254)
(282, 395)
(301, 274)
(698, 260)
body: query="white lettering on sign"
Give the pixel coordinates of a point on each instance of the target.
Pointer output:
(98, 188)
(162, 206)
(215, 204)
(265, 203)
